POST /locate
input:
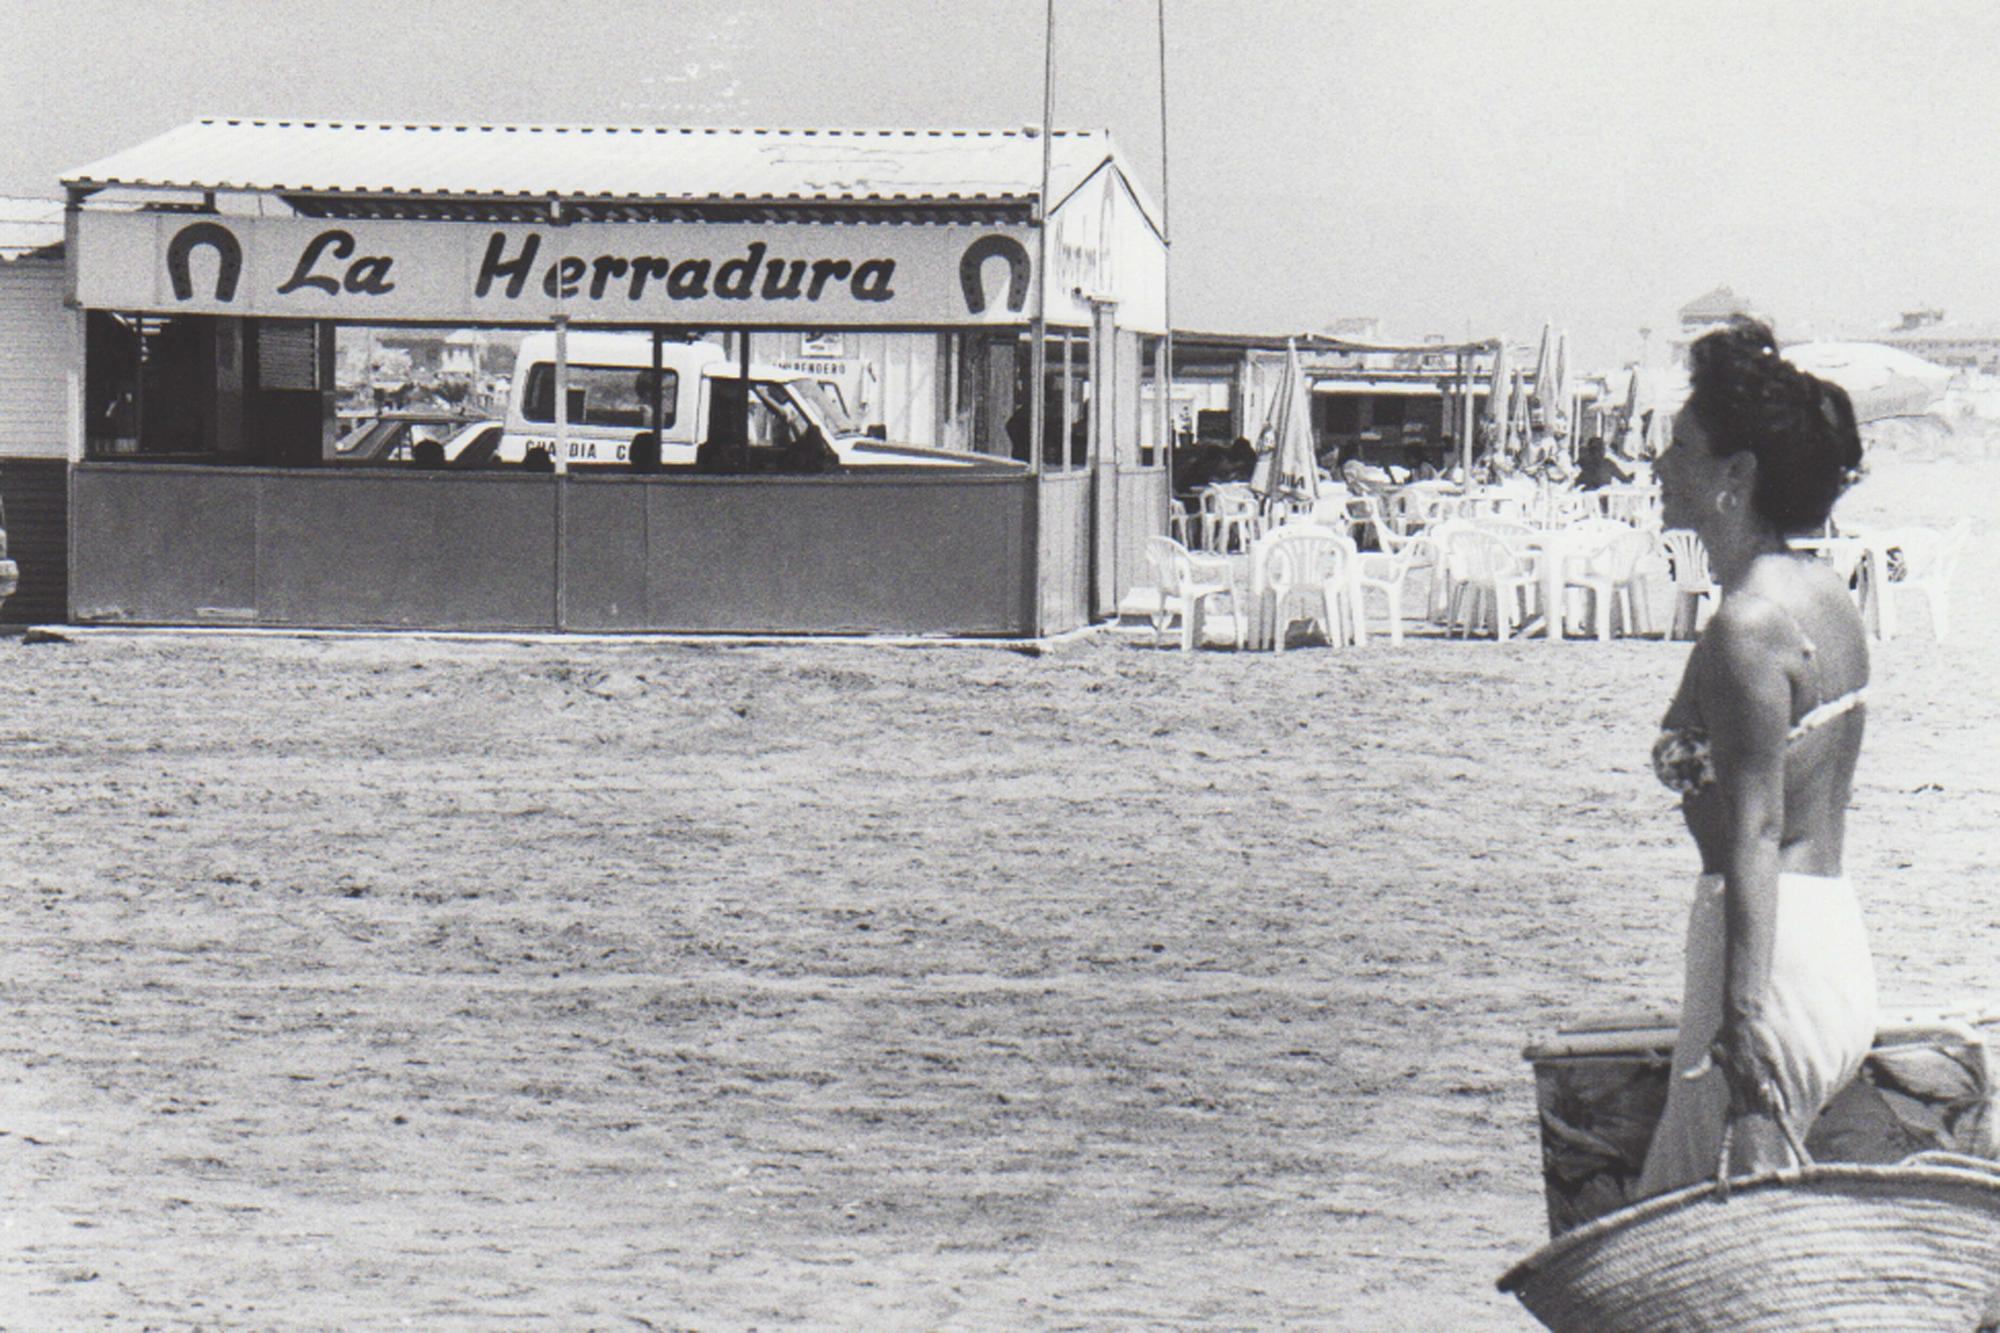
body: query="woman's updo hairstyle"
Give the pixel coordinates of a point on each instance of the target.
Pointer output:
(1801, 428)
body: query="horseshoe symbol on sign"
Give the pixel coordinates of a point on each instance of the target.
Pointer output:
(226, 248)
(971, 271)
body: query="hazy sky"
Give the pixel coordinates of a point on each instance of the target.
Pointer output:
(1447, 167)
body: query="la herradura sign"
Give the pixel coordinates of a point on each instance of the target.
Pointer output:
(639, 273)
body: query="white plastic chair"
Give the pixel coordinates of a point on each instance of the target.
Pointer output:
(1186, 581)
(1490, 575)
(1489, 579)
(1443, 582)
(1612, 572)
(1304, 564)
(1634, 504)
(1231, 517)
(1915, 560)
(1554, 508)
(1494, 502)
(1693, 583)
(1386, 575)
(1390, 537)
(1330, 509)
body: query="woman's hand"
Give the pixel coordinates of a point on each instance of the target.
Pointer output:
(1747, 1052)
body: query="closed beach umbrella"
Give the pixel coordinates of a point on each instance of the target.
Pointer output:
(1628, 437)
(1286, 463)
(1555, 394)
(1499, 396)
(1545, 365)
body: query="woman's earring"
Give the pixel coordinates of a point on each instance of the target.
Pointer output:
(1726, 502)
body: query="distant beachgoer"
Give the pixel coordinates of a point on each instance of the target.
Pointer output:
(1597, 467)
(1017, 432)
(1240, 463)
(1761, 741)
(1360, 477)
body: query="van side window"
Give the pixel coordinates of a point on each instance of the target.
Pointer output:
(602, 396)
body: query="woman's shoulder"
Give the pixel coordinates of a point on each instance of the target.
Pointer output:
(1752, 619)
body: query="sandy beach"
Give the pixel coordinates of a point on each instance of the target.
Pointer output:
(361, 983)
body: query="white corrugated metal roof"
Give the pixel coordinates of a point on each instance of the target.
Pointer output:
(27, 225)
(602, 162)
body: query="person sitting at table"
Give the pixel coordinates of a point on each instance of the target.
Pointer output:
(1597, 467)
(1196, 465)
(1761, 742)
(1239, 462)
(1362, 478)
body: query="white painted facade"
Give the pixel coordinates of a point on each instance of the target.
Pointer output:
(39, 341)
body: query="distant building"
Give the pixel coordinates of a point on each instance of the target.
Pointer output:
(1710, 309)
(1960, 345)
(461, 357)
(1707, 312)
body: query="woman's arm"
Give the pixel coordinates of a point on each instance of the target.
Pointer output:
(1745, 697)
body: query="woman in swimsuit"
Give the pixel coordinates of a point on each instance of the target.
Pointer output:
(1761, 741)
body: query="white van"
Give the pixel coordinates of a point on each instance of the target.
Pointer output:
(612, 393)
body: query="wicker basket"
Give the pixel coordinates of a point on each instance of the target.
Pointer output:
(1831, 1246)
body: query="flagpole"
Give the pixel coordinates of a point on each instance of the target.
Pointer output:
(1038, 326)
(1167, 285)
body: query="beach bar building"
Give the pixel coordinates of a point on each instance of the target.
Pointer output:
(37, 334)
(216, 266)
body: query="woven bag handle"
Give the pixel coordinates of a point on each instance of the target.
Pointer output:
(1784, 1119)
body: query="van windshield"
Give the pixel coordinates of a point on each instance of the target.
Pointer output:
(602, 395)
(824, 405)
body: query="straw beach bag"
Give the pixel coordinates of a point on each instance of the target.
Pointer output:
(1910, 1246)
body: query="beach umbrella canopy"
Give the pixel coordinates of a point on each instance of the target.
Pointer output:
(1880, 381)
(1286, 463)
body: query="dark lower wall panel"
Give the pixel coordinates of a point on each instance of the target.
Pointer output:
(158, 544)
(164, 545)
(34, 494)
(406, 551)
(872, 554)
(605, 556)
